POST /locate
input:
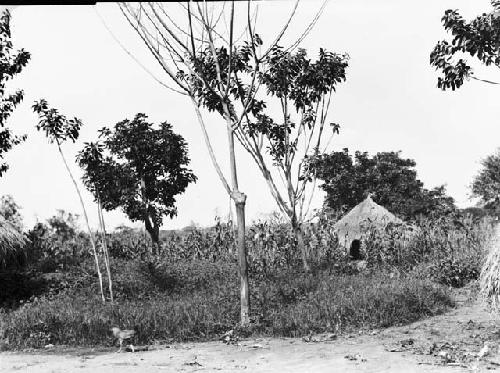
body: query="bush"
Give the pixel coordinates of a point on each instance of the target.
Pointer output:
(347, 303)
(450, 250)
(459, 253)
(81, 319)
(127, 243)
(19, 286)
(49, 250)
(207, 305)
(189, 290)
(195, 275)
(456, 271)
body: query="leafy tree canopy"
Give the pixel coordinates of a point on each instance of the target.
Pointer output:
(479, 38)
(64, 225)
(390, 179)
(56, 126)
(10, 211)
(11, 63)
(486, 184)
(289, 76)
(295, 78)
(138, 168)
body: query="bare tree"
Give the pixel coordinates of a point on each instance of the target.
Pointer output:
(220, 68)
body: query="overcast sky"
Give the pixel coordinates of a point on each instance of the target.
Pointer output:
(389, 102)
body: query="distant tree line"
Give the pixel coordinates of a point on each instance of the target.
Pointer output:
(390, 179)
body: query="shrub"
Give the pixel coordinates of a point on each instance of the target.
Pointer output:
(456, 271)
(193, 275)
(128, 243)
(79, 319)
(19, 286)
(206, 306)
(460, 251)
(348, 303)
(50, 249)
(189, 290)
(449, 249)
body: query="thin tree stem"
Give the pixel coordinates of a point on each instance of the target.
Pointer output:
(209, 147)
(92, 240)
(105, 248)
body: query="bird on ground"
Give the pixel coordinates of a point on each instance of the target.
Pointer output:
(484, 351)
(123, 335)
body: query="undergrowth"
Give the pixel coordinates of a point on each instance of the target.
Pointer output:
(172, 309)
(189, 289)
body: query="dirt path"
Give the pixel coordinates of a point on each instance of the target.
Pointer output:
(446, 343)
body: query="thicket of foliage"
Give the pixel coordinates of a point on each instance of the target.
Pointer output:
(478, 38)
(446, 244)
(290, 304)
(57, 244)
(189, 289)
(10, 211)
(12, 239)
(486, 184)
(11, 63)
(138, 168)
(392, 180)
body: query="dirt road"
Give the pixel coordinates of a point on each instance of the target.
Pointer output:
(446, 343)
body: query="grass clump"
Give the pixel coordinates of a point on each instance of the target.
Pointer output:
(189, 289)
(490, 274)
(76, 320)
(208, 306)
(346, 303)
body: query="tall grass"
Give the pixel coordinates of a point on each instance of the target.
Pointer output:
(189, 289)
(490, 274)
(446, 247)
(288, 305)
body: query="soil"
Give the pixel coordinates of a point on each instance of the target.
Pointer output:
(452, 342)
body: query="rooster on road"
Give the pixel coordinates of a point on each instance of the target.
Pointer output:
(123, 335)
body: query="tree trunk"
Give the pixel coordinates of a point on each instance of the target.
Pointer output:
(105, 250)
(154, 233)
(152, 228)
(299, 235)
(239, 201)
(92, 240)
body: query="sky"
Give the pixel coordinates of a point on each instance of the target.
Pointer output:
(389, 101)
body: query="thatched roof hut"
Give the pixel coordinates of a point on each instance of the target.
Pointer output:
(365, 216)
(11, 240)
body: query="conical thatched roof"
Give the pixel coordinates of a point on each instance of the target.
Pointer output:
(11, 239)
(366, 215)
